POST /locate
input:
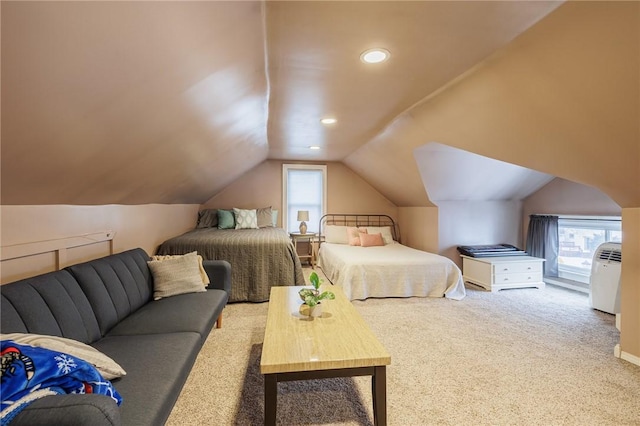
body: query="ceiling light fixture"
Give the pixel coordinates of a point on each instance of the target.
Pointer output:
(375, 56)
(314, 147)
(329, 120)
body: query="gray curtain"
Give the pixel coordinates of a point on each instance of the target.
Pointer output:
(542, 241)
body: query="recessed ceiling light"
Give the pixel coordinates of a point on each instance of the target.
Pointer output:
(314, 147)
(329, 120)
(374, 56)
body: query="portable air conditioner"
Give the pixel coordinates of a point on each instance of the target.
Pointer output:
(605, 278)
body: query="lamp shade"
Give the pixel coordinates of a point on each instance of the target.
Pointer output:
(303, 215)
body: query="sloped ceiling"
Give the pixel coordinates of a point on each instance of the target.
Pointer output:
(452, 174)
(169, 102)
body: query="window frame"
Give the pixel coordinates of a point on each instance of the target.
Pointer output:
(605, 223)
(285, 177)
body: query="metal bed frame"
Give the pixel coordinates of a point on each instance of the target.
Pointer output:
(358, 220)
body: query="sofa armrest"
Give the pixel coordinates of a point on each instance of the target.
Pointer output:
(219, 272)
(68, 410)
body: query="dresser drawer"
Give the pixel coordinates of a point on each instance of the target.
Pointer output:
(507, 268)
(522, 277)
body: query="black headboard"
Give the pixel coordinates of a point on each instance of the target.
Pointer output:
(359, 220)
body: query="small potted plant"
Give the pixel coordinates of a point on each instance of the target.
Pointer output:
(311, 298)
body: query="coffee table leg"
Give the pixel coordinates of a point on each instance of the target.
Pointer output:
(379, 394)
(270, 399)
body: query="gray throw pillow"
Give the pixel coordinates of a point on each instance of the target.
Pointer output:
(265, 217)
(207, 218)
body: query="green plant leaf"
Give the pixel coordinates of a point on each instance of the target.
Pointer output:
(311, 301)
(327, 295)
(315, 280)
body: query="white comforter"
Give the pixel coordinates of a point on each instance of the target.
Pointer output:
(392, 270)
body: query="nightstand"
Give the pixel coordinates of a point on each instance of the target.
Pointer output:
(308, 237)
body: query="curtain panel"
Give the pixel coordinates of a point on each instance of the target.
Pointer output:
(542, 241)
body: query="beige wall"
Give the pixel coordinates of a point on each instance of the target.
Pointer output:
(419, 227)
(346, 191)
(630, 293)
(144, 226)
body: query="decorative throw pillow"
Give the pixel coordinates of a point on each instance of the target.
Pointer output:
(108, 368)
(387, 237)
(354, 235)
(275, 218)
(207, 218)
(265, 217)
(177, 275)
(371, 240)
(336, 234)
(203, 273)
(245, 219)
(226, 219)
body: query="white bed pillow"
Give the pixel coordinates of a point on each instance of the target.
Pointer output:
(246, 219)
(336, 234)
(108, 368)
(387, 236)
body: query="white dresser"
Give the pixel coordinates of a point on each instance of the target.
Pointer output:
(498, 273)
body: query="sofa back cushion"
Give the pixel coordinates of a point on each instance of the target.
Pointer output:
(116, 285)
(51, 304)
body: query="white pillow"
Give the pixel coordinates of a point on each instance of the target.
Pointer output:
(336, 234)
(178, 275)
(246, 219)
(108, 368)
(387, 237)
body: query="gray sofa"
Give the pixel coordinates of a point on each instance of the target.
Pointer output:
(108, 304)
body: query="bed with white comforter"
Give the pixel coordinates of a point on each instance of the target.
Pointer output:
(392, 270)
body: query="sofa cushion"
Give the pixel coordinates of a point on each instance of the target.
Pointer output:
(115, 285)
(196, 312)
(157, 367)
(51, 304)
(71, 410)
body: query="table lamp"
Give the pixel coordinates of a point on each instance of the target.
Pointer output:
(302, 216)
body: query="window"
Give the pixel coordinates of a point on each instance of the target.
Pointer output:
(578, 239)
(304, 188)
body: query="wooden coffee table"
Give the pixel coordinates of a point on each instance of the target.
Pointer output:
(338, 344)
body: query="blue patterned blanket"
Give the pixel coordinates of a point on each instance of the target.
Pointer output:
(29, 373)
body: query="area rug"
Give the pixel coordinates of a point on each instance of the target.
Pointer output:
(516, 357)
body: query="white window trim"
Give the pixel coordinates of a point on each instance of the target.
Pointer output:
(285, 174)
(570, 274)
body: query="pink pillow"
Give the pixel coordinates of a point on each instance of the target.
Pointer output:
(371, 240)
(353, 234)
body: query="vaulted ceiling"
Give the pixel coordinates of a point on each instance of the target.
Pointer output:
(169, 102)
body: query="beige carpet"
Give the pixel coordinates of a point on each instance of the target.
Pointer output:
(517, 357)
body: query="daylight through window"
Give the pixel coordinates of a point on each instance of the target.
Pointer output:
(304, 188)
(578, 238)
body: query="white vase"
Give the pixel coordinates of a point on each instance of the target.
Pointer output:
(311, 311)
